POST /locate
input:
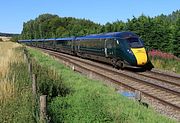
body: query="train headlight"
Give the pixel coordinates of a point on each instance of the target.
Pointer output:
(129, 51)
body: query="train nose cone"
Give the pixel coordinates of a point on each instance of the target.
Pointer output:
(140, 54)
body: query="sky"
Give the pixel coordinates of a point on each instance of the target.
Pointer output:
(14, 12)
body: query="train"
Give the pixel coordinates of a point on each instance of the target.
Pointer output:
(120, 49)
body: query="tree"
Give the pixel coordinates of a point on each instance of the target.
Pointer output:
(176, 41)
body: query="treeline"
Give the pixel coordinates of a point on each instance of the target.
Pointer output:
(53, 26)
(160, 32)
(8, 34)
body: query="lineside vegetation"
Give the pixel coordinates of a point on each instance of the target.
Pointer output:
(165, 61)
(15, 90)
(86, 100)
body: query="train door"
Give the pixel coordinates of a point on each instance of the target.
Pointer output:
(73, 46)
(54, 44)
(120, 48)
(109, 47)
(105, 48)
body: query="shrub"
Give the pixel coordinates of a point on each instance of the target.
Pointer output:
(165, 61)
(162, 55)
(49, 82)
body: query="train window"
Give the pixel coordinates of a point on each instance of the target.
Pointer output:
(109, 46)
(110, 43)
(134, 42)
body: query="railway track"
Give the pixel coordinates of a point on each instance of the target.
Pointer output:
(166, 78)
(161, 87)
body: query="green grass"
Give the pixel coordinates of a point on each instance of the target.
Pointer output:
(18, 108)
(87, 100)
(167, 64)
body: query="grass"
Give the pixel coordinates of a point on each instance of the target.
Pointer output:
(166, 64)
(7, 56)
(86, 100)
(15, 88)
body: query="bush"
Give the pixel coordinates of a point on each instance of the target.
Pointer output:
(49, 82)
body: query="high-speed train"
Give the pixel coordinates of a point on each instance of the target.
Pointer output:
(121, 49)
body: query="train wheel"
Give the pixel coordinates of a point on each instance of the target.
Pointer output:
(113, 62)
(120, 64)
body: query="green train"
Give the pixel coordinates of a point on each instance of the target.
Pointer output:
(121, 49)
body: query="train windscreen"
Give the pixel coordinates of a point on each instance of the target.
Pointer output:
(134, 42)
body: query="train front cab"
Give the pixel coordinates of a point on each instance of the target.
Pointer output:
(132, 51)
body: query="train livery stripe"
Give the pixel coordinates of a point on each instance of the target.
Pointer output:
(140, 54)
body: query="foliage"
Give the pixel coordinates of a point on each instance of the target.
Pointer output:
(91, 101)
(165, 61)
(162, 55)
(14, 39)
(52, 26)
(48, 81)
(176, 41)
(167, 64)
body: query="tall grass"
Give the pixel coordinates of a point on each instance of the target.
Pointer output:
(15, 89)
(6, 90)
(7, 57)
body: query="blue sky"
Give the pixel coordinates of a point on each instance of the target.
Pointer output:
(15, 12)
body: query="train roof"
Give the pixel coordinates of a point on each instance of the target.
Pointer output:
(38, 39)
(24, 40)
(33, 40)
(50, 39)
(93, 36)
(108, 35)
(64, 39)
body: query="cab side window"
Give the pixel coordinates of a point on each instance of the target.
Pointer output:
(110, 43)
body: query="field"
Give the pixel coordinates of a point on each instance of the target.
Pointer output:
(4, 39)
